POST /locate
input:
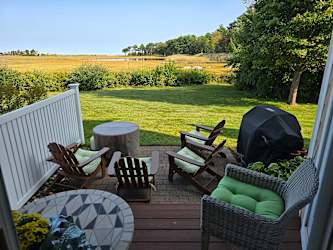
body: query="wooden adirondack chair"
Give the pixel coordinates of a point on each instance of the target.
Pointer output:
(136, 176)
(190, 163)
(76, 164)
(198, 137)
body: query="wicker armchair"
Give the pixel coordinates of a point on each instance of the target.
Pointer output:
(251, 231)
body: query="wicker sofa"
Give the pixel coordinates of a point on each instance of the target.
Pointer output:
(247, 229)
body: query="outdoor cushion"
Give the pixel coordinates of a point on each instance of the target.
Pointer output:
(185, 166)
(194, 132)
(258, 200)
(83, 155)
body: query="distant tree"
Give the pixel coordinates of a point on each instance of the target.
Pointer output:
(142, 49)
(134, 49)
(125, 50)
(150, 48)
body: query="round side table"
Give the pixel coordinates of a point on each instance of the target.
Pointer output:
(118, 136)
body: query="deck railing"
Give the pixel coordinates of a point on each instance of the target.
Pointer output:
(24, 136)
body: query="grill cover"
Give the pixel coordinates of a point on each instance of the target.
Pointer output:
(268, 134)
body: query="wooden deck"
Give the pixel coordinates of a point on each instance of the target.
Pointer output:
(177, 227)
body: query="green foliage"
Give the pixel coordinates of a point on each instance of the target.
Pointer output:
(187, 77)
(90, 77)
(56, 81)
(282, 169)
(20, 89)
(166, 74)
(31, 229)
(34, 86)
(141, 78)
(276, 40)
(10, 91)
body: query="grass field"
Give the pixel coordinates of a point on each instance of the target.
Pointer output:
(116, 63)
(162, 112)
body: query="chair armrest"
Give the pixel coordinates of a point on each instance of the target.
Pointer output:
(255, 178)
(186, 159)
(204, 127)
(155, 162)
(199, 146)
(115, 157)
(194, 136)
(73, 147)
(99, 154)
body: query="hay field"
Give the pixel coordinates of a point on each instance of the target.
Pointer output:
(65, 63)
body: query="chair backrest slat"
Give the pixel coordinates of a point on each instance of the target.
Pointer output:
(137, 170)
(216, 151)
(132, 173)
(216, 131)
(130, 167)
(123, 172)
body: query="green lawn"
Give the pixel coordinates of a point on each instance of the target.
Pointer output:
(162, 112)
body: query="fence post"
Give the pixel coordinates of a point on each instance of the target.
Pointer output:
(8, 235)
(75, 87)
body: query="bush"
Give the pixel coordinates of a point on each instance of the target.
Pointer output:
(34, 85)
(90, 77)
(166, 74)
(119, 79)
(57, 81)
(10, 92)
(187, 77)
(282, 169)
(142, 78)
(18, 90)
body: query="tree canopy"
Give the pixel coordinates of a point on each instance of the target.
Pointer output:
(279, 45)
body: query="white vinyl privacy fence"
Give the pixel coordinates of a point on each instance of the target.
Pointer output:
(24, 136)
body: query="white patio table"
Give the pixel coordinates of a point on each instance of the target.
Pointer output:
(105, 217)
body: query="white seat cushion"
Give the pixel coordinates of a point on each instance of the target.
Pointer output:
(185, 166)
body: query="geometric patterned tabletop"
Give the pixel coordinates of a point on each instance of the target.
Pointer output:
(106, 218)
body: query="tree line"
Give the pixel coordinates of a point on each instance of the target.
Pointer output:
(25, 52)
(215, 42)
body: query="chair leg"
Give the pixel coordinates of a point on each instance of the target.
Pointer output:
(171, 168)
(182, 140)
(204, 240)
(103, 166)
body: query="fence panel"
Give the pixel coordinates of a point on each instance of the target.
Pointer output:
(24, 136)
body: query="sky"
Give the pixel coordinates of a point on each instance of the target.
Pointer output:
(106, 26)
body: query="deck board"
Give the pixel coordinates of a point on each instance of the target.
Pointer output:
(177, 227)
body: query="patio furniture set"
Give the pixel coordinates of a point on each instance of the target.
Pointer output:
(244, 207)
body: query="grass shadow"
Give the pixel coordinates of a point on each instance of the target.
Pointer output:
(202, 95)
(147, 138)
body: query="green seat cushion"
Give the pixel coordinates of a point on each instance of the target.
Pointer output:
(83, 155)
(185, 166)
(258, 200)
(194, 132)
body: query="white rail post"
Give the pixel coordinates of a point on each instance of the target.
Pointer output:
(75, 87)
